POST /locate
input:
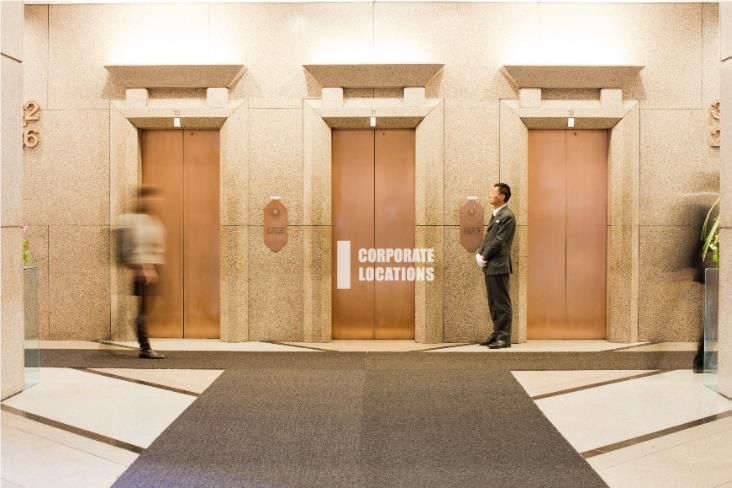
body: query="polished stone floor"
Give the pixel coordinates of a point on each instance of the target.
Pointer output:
(637, 428)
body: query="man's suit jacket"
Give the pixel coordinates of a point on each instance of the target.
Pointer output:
(496, 247)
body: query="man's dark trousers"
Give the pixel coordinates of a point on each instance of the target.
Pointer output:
(499, 304)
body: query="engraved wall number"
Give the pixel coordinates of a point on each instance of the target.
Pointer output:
(714, 133)
(31, 113)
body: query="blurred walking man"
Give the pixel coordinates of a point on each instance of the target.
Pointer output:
(142, 248)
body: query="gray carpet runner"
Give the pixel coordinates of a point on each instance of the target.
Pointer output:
(361, 420)
(91, 358)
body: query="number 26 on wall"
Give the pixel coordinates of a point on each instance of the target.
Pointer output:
(31, 113)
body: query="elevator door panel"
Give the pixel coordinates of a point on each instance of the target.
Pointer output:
(184, 164)
(201, 234)
(162, 158)
(586, 234)
(394, 220)
(567, 237)
(373, 206)
(353, 219)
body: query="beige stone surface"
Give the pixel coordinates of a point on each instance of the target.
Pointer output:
(393, 73)
(667, 40)
(11, 148)
(679, 177)
(234, 283)
(611, 96)
(622, 283)
(571, 76)
(275, 161)
(234, 185)
(11, 31)
(466, 317)
(529, 97)
(12, 311)
(124, 169)
(316, 163)
(429, 168)
(514, 161)
(471, 156)
(79, 288)
(711, 53)
(725, 16)
(520, 290)
(217, 97)
(547, 34)
(429, 319)
(168, 74)
(317, 283)
(459, 36)
(624, 171)
(137, 97)
(725, 313)
(124, 165)
(38, 246)
(123, 304)
(670, 303)
(35, 49)
(414, 96)
(332, 97)
(67, 175)
(726, 149)
(83, 38)
(301, 34)
(275, 288)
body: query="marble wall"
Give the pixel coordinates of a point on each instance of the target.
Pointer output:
(69, 199)
(11, 179)
(725, 234)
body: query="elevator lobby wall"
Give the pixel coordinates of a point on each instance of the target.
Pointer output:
(71, 200)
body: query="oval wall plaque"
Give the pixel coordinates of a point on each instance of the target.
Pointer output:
(275, 225)
(471, 225)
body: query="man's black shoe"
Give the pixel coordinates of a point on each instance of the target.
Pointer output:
(491, 339)
(499, 344)
(150, 354)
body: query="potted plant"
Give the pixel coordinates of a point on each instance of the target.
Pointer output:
(706, 358)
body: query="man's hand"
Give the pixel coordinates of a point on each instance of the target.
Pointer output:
(479, 259)
(148, 274)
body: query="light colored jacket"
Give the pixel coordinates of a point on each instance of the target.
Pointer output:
(146, 238)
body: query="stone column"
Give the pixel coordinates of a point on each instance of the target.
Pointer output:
(725, 190)
(11, 195)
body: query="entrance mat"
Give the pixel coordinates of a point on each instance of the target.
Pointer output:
(514, 361)
(360, 421)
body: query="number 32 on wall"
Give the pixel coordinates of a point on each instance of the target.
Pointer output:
(31, 113)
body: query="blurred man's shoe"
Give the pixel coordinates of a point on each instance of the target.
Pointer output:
(499, 344)
(150, 354)
(491, 339)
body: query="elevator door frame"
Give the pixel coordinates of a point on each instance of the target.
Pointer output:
(379, 330)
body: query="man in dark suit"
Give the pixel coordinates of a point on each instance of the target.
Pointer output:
(494, 256)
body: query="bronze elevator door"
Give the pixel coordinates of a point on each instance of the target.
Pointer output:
(184, 164)
(373, 207)
(567, 234)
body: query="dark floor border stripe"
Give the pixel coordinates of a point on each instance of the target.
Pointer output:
(138, 382)
(654, 435)
(602, 383)
(447, 347)
(74, 430)
(110, 343)
(645, 344)
(312, 348)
